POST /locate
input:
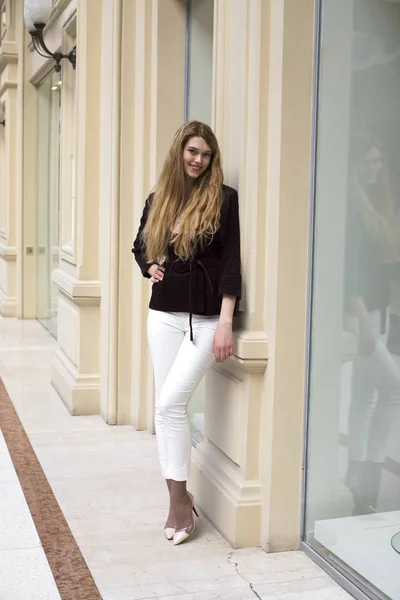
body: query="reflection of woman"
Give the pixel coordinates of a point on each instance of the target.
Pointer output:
(373, 243)
(189, 245)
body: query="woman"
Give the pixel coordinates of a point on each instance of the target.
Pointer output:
(188, 244)
(373, 249)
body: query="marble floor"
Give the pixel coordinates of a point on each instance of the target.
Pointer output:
(25, 572)
(107, 483)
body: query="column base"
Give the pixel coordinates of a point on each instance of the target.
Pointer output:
(231, 503)
(8, 305)
(80, 393)
(8, 270)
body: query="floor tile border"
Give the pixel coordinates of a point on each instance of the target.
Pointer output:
(67, 564)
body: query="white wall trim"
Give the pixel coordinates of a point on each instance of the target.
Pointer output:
(8, 252)
(80, 393)
(79, 291)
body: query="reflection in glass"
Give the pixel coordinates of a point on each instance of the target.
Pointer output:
(48, 199)
(352, 509)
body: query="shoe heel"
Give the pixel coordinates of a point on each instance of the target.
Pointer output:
(193, 506)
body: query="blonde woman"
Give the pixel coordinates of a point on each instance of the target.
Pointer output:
(188, 244)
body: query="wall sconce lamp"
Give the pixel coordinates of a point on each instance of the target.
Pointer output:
(37, 13)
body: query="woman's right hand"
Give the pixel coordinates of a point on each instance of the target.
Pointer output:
(156, 273)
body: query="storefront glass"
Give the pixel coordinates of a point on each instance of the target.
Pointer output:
(198, 105)
(48, 198)
(352, 503)
(199, 60)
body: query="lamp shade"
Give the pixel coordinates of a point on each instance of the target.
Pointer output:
(36, 11)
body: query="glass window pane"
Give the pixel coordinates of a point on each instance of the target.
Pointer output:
(353, 455)
(48, 198)
(199, 60)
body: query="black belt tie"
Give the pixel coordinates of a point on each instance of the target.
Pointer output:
(194, 263)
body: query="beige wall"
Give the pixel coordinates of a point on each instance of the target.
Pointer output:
(76, 366)
(121, 108)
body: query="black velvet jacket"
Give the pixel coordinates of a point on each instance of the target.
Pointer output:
(197, 286)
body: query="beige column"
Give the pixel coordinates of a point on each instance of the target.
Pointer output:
(288, 200)
(109, 205)
(26, 175)
(225, 474)
(152, 109)
(8, 166)
(75, 372)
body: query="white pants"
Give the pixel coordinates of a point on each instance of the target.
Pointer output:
(375, 398)
(179, 365)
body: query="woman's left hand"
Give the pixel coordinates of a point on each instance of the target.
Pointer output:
(223, 342)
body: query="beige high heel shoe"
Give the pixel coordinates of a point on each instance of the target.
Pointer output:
(169, 533)
(182, 534)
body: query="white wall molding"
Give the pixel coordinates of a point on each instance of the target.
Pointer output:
(80, 392)
(8, 305)
(8, 55)
(230, 501)
(81, 292)
(251, 345)
(8, 252)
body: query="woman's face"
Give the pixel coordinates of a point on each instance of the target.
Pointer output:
(371, 166)
(196, 157)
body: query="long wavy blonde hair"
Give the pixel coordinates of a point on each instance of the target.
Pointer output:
(198, 214)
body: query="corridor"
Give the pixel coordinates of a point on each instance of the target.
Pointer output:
(97, 508)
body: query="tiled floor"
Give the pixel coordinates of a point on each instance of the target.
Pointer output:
(25, 572)
(107, 482)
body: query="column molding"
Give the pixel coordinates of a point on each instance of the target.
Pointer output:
(9, 171)
(225, 475)
(76, 367)
(153, 69)
(110, 157)
(87, 293)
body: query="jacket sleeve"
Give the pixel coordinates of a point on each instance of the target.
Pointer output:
(138, 249)
(230, 281)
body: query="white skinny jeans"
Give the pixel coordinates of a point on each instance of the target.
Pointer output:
(179, 365)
